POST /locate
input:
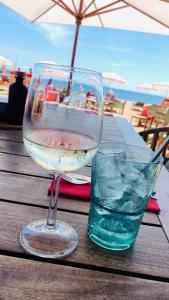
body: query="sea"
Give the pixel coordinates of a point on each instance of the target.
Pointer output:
(128, 95)
(123, 94)
(134, 96)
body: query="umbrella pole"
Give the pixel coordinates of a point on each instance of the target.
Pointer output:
(78, 23)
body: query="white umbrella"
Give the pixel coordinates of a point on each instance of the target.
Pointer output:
(161, 85)
(148, 88)
(50, 62)
(55, 73)
(112, 78)
(137, 15)
(4, 61)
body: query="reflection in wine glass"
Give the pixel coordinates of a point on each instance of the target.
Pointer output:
(61, 135)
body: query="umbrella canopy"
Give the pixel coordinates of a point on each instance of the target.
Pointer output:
(4, 61)
(112, 78)
(137, 15)
(158, 87)
(50, 62)
(55, 73)
(148, 88)
(161, 85)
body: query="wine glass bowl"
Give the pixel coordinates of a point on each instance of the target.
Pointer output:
(61, 132)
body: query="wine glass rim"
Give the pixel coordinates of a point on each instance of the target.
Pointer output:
(66, 66)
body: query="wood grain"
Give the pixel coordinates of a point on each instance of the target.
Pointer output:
(149, 256)
(13, 147)
(162, 188)
(33, 190)
(11, 140)
(12, 135)
(26, 165)
(27, 279)
(110, 128)
(128, 133)
(23, 279)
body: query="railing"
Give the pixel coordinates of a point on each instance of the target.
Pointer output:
(154, 137)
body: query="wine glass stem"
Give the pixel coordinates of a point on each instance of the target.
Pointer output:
(51, 220)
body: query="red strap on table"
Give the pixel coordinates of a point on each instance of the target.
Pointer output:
(83, 191)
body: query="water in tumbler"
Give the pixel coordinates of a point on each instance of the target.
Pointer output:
(113, 230)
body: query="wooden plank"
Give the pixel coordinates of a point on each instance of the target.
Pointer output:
(26, 165)
(110, 132)
(21, 164)
(13, 147)
(162, 189)
(9, 138)
(31, 190)
(16, 135)
(131, 137)
(26, 279)
(12, 135)
(149, 256)
(150, 218)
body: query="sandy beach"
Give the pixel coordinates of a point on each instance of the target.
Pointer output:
(129, 112)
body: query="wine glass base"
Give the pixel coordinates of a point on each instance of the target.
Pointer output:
(40, 240)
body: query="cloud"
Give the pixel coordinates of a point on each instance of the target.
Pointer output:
(111, 48)
(117, 49)
(121, 64)
(16, 51)
(56, 34)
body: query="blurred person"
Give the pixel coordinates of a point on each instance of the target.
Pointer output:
(29, 74)
(110, 96)
(51, 92)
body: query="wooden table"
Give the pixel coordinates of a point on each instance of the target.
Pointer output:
(90, 272)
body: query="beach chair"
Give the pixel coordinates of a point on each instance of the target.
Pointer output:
(91, 103)
(137, 106)
(117, 106)
(146, 116)
(107, 106)
(165, 103)
(161, 118)
(154, 137)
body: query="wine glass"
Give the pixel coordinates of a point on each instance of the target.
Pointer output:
(61, 131)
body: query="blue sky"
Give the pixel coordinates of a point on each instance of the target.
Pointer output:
(138, 57)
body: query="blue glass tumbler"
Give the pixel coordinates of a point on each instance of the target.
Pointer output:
(121, 186)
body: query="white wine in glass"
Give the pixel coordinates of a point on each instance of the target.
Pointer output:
(61, 132)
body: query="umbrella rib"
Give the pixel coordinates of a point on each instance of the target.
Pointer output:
(146, 14)
(88, 6)
(63, 5)
(101, 8)
(80, 8)
(44, 12)
(99, 16)
(74, 6)
(57, 2)
(106, 11)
